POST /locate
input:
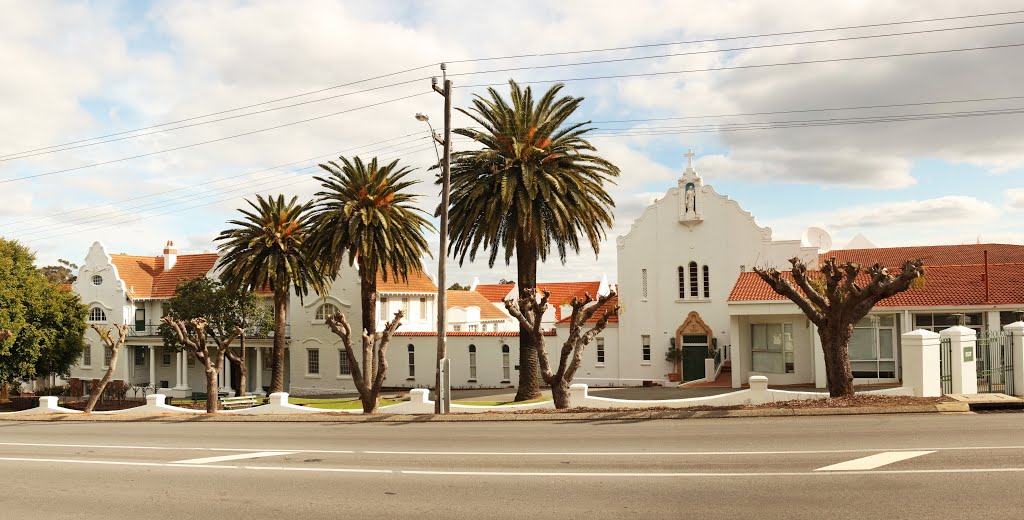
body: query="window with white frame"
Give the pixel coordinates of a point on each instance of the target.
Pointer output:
(600, 351)
(472, 362)
(165, 358)
(643, 283)
(421, 311)
(324, 311)
(140, 356)
(344, 368)
(382, 304)
(97, 279)
(412, 361)
(645, 348)
(873, 347)
(938, 322)
(682, 282)
(107, 354)
(87, 355)
(707, 282)
(405, 308)
(771, 346)
(472, 328)
(693, 279)
(506, 364)
(97, 314)
(456, 328)
(313, 361)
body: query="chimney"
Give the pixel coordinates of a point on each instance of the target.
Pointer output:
(476, 282)
(170, 255)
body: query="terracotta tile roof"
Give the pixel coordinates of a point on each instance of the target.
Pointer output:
(474, 299)
(944, 286)
(418, 282)
(144, 276)
(931, 255)
(506, 334)
(495, 292)
(563, 292)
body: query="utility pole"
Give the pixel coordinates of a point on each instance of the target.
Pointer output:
(442, 403)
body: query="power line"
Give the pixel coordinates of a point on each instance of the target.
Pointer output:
(734, 49)
(727, 38)
(193, 118)
(755, 66)
(293, 123)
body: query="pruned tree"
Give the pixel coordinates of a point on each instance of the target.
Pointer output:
(5, 335)
(195, 336)
(115, 344)
(369, 374)
(529, 311)
(834, 299)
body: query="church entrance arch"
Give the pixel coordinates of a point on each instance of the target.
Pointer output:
(695, 340)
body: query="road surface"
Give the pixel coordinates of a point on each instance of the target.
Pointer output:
(893, 466)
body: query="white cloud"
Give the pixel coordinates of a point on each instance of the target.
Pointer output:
(1015, 199)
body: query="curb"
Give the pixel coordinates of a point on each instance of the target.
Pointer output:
(625, 415)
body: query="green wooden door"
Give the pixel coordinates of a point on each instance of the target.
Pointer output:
(693, 362)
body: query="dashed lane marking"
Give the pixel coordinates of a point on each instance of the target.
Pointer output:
(239, 456)
(874, 461)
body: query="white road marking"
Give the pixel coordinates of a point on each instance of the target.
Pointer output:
(528, 474)
(874, 461)
(239, 456)
(133, 447)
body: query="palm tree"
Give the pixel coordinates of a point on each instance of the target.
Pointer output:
(366, 212)
(536, 184)
(266, 249)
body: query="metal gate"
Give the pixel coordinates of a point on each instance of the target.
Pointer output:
(946, 365)
(994, 358)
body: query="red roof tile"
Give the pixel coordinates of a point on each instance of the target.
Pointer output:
(506, 334)
(495, 292)
(931, 255)
(144, 276)
(418, 282)
(597, 315)
(944, 285)
(474, 299)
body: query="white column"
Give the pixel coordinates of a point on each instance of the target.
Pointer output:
(921, 363)
(177, 371)
(820, 376)
(738, 351)
(259, 370)
(1017, 330)
(962, 359)
(152, 366)
(225, 376)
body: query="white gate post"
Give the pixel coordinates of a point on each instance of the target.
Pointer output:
(1017, 330)
(962, 362)
(921, 362)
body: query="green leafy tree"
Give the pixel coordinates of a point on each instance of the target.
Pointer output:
(45, 322)
(266, 248)
(458, 287)
(536, 185)
(365, 213)
(503, 281)
(63, 273)
(224, 310)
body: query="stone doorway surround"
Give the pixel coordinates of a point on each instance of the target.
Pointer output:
(693, 324)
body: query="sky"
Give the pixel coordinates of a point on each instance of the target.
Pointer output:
(938, 160)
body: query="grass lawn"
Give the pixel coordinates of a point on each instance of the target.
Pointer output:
(336, 404)
(500, 403)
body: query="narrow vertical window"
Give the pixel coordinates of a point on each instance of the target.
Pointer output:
(600, 351)
(313, 361)
(412, 361)
(693, 279)
(707, 282)
(643, 283)
(107, 354)
(472, 362)
(645, 342)
(87, 356)
(344, 369)
(140, 356)
(405, 308)
(506, 364)
(682, 283)
(421, 313)
(382, 304)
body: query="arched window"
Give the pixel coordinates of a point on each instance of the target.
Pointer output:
(693, 279)
(472, 362)
(97, 314)
(707, 282)
(97, 280)
(682, 283)
(412, 361)
(324, 311)
(506, 364)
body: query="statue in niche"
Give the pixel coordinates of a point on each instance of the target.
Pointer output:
(691, 202)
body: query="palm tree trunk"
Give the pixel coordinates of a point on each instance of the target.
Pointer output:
(368, 298)
(529, 366)
(280, 318)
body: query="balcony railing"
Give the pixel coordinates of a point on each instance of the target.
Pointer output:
(142, 331)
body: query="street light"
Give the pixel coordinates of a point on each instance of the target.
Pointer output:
(433, 135)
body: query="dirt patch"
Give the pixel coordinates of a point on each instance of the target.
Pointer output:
(857, 401)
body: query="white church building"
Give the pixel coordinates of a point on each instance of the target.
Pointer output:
(685, 280)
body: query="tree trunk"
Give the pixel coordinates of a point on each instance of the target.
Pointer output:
(529, 367)
(5, 393)
(368, 299)
(280, 318)
(242, 368)
(835, 342)
(212, 399)
(98, 391)
(370, 402)
(560, 394)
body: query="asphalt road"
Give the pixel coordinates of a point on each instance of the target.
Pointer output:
(895, 466)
